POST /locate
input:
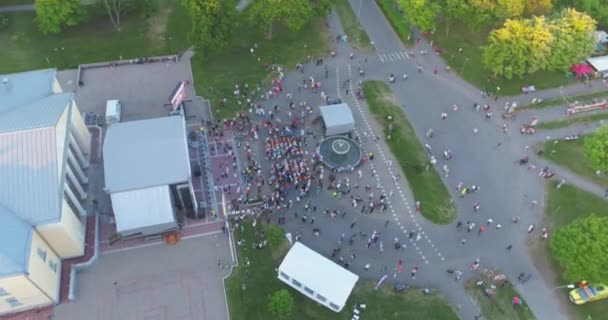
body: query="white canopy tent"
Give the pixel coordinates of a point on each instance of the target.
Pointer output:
(317, 277)
(600, 64)
(145, 211)
(338, 119)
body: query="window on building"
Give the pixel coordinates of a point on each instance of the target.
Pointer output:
(334, 306)
(53, 265)
(296, 282)
(321, 298)
(3, 292)
(14, 302)
(42, 254)
(284, 275)
(309, 291)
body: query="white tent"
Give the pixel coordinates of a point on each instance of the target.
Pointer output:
(317, 277)
(600, 64)
(145, 211)
(338, 119)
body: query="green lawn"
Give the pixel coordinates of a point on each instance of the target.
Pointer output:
(261, 281)
(564, 205)
(25, 48)
(392, 12)
(571, 155)
(498, 307)
(571, 120)
(469, 66)
(357, 36)
(215, 75)
(426, 184)
(560, 102)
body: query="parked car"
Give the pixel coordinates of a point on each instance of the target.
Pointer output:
(588, 293)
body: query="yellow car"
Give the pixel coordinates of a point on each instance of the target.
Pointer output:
(588, 293)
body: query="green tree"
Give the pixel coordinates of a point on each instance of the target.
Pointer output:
(519, 47)
(598, 9)
(421, 13)
(455, 10)
(581, 249)
(596, 148)
(538, 6)
(213, 22)
(322, 7)
(53, 15)
(293, 14)
(281, 304)
(574, 39)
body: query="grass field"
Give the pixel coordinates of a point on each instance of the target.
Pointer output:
(426, 184)
(25, 48)
(560, 102)
(571, 120)
(469, 66)
(260, 280)
(499, 307)
(357, 36)
(563, 206)
(396, 18)
(571, 155)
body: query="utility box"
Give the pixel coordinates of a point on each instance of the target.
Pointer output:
(113, 111)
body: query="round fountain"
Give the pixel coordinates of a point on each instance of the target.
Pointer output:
(340, 153)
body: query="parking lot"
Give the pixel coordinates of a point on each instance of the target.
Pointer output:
(156, 282)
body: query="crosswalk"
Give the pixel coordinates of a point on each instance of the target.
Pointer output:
(393, 56)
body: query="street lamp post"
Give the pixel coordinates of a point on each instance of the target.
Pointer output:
(359, 10)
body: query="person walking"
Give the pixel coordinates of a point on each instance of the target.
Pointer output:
(413, 274)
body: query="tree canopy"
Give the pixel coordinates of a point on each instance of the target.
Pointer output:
(581, 249)
(596, 148)
(213, 22)
(281, 304)
(53, 15)
(422, 13)
(519, 47)
(524, 46)
(293, 14)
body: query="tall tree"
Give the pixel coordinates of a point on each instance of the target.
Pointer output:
(281, 304)
(213, 22)
(598, 9)
(114, 9)
(574, 36)
(581, 249)
(53, 15)
(596, 148)
(454, 10)
(509, 8)
(519, 47)
(421, 13)
(293, 14)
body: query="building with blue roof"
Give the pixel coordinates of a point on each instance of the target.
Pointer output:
(44, 153)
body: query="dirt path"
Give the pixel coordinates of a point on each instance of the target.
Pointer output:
(157, 27)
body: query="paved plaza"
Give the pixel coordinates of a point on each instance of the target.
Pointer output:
(157, 282)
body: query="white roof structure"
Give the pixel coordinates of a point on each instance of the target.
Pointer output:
(318, 273)
(31, 157)
(338, 119)
(146, 153)
(147, 210)
(600, 64)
